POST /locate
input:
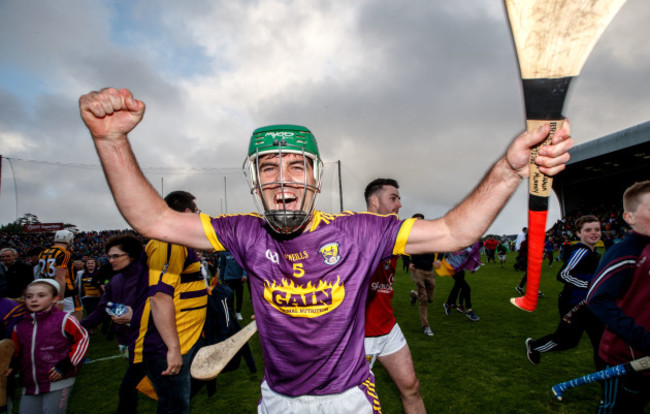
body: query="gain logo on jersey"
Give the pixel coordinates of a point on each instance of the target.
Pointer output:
(330, 253)
(304, 301)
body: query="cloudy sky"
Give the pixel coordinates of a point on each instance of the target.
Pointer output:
(424, 91)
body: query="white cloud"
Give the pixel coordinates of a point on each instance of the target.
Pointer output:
(426, 92)
(14, 142)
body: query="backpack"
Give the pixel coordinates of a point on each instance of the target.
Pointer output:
(220, 322)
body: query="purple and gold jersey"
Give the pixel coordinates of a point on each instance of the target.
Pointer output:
(182, 280)
(309, 293)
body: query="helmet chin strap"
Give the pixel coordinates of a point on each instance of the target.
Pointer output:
(285, 221)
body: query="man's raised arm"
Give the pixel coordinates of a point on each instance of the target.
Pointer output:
(469, 220)
(110, 114)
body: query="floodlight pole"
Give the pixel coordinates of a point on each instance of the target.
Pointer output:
(340, 186)
(225, 192)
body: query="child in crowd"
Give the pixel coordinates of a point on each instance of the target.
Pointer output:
(501, 253)
(50, 345)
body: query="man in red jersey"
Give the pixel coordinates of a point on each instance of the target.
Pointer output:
(385, 341)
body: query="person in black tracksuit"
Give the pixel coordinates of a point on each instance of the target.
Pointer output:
(575, 317)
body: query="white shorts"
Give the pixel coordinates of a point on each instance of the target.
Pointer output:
(502, 257)
(390, 343)
(358, 400)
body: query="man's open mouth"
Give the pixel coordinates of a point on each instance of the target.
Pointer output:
(285, 200)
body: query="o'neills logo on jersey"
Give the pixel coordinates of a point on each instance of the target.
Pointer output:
(304, 301)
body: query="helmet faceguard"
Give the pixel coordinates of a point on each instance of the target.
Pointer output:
(280, 141)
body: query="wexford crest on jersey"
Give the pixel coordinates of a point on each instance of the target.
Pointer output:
(331, 253)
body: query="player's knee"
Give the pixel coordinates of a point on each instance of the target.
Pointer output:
(410, 387)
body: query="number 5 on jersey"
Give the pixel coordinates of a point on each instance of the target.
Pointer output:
(298, 271)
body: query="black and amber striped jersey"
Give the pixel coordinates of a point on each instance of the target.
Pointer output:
(53, 258)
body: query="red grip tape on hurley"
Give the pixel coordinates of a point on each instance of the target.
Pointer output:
(536, 238)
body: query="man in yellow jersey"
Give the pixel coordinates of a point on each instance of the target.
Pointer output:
(178, 297)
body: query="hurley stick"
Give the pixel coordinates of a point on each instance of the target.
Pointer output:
(553, 39)
(210, 360)
(637, 365)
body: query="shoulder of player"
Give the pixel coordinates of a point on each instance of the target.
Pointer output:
(345, 218)
(238, 216)
(53, 252)
(354, 215)
(247, 221)
(153, 247)
(619, 258)
(639, 240)
(579, 250)
(177, 250)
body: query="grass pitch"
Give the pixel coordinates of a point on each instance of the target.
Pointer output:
(467, 367)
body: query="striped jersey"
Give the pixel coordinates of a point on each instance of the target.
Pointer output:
(56, 257)
(176, 271)
(577, 272)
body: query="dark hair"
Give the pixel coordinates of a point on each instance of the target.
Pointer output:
(376, 185)
(180, 201)
(418, 215)
(581, 221)
(129, 244)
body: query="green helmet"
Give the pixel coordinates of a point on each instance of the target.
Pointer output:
(283, 139)
(294, 139)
